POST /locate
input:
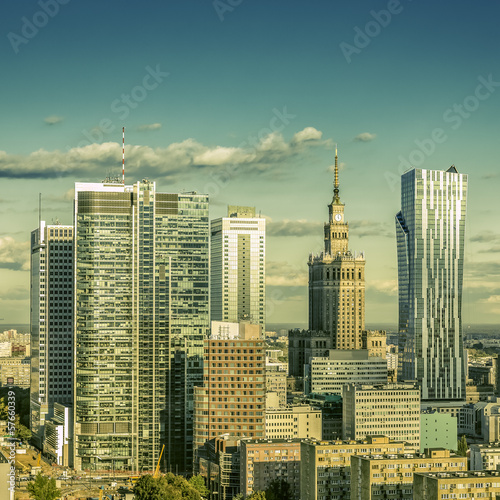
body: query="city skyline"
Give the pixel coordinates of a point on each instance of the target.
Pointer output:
(245, 103)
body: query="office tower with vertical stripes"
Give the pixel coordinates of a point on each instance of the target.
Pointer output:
(238, 267)
(430, 230)
(51, 323)
(141, 307)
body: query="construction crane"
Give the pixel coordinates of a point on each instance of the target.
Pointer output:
(157, 470)
(38, 459)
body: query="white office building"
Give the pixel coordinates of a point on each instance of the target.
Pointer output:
(327, 375)
(238, 252)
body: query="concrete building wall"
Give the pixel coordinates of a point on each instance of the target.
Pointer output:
(325, 465)
(262, 461)
(390, 410)
(438, 430)
(391, 476)
(294, 421)
(472, 484)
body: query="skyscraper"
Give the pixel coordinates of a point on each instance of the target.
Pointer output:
(238, 272)
(141, 302)
(232, 398)
(430, 231)
(51, 323)
(337, 281)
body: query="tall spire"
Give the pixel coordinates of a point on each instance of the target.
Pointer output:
(336, 198)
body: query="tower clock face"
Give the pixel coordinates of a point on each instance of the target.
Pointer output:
(338, 217)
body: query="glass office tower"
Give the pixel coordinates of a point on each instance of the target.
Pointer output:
(430, 231)
(141, 302)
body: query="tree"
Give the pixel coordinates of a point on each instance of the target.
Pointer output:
(22, 432)
(167, 487)
(257, 495)
(198, 483)
(147, 487)
(43, 488)
(462, 446)
(278, 489)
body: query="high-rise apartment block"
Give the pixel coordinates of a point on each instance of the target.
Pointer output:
(51, 322)
(430, 231)
(337, 282)
(232, 397)
(141, 307)
(388, 410)
(238, 272)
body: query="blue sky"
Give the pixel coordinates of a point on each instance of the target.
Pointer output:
(244, 99)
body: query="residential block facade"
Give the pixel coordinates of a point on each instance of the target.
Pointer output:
(389, 410)
(391, 476)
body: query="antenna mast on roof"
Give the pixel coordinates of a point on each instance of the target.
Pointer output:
(123, 157)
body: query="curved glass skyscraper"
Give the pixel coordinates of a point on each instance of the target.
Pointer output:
(430, 231)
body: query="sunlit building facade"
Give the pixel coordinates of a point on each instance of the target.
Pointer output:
(337, 282)
(430, 231)
(51, 323)
(238, 267)
(141, 302)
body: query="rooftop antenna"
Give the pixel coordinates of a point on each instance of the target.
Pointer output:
(123, 157)
(39, 209)
(336, 179)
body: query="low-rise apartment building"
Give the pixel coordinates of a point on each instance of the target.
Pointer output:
(294, 422)
(264, 460)
(467, 485)
(325, 470)
(380, 476)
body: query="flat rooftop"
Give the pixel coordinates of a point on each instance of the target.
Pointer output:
(471, 474)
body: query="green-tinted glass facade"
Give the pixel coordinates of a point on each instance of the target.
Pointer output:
(430, 232)
(141, 317)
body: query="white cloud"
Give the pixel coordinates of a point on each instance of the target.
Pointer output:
(149, 126)
(308, 134)
(365, 137)
(388, 287)
(299, 227)
(16, 293)
(270, 153)
(282, 274)
(14, 254)
(53, 119)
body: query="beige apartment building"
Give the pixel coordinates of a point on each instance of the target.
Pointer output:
(390, 410)
(262, 461)
(467, 485)
(325, 470)
(231, 400)
(378, 476)
(15, 371)
(294, 422)
(276, 384)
